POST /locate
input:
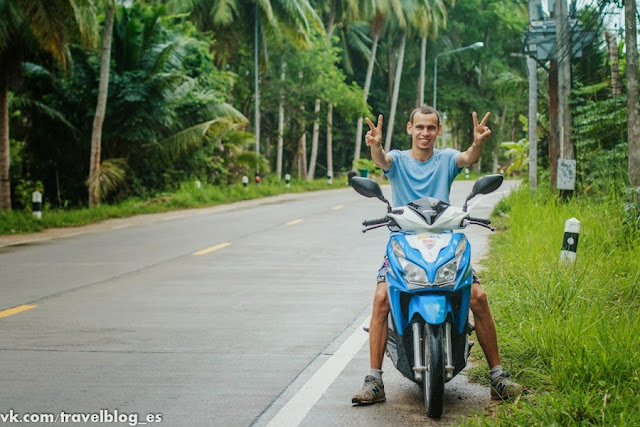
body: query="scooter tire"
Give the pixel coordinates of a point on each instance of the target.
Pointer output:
(434, 376)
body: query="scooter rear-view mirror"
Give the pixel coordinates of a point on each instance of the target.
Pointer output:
(368, 188)
(485, 185)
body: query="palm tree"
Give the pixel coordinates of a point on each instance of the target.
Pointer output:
(401, 25)
(430, 17)
(396, 88)
(423, 17)
(150, 87)
(378, 12)
(30, 26)
(101, 107)
(291, 19)
(337, 13)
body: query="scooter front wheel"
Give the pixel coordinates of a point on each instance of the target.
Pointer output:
(433, 380)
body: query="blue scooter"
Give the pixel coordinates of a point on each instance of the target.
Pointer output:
(429, 279)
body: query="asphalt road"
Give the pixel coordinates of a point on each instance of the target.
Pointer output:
(236, 315)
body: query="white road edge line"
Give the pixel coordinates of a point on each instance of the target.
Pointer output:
(294, 411)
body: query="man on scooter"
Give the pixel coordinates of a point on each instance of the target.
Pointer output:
(420, 172)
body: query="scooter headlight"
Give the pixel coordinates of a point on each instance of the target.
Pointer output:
(446, 275)
(414, 274)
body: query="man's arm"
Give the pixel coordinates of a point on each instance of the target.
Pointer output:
(481, 134)
(373, 139)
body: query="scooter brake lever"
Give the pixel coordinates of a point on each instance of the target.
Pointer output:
(375, 226)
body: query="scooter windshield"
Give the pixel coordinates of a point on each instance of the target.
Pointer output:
(428, 208)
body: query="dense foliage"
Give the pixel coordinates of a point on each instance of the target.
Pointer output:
(181, 99)
(569, 331)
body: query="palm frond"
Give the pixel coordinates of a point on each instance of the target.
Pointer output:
(166, 55)
(226, 120)
(108, 178)
(47, 20)
(24, 103)
(35, 70)
(224, 12)
(237, 142)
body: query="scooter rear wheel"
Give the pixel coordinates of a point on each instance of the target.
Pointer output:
(433, 380)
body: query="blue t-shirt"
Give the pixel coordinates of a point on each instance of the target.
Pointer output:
(411, 179)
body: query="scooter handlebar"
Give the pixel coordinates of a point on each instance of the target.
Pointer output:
(480, 220)
(370, 222)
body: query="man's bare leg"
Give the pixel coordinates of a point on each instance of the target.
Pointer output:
(373, 388)
(485, 326)
(501, 386)
(378, 328)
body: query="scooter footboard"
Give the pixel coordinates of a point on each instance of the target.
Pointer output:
(399, 350)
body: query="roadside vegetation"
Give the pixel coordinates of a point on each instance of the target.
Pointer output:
(189, 195)
(569, 332)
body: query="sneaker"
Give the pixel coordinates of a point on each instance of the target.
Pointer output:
(372, 392)
(504, 388)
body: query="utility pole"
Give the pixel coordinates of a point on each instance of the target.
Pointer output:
(553, 110)
(563, 54)
(566, 163)
(552, 39)
(532, 68)
(633, 112)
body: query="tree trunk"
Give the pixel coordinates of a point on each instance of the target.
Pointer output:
(553, 123)
(532, 68)
(421, 78)
(101, 107)
(496, 148)
(633, 109)
(5, 180)
(314, 141)
(256, 85)
(612, 48)
(367, 85)
(533, 123)
(330, 27)
(396, 90)
(280, 125)
(302, 149)
(330, 141)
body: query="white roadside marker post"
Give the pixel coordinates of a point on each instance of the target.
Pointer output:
(570, 240)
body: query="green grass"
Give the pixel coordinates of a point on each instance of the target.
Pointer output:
(570, 333)
(188, 196)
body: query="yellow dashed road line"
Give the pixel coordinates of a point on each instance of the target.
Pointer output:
(16, 310)
(212, 248)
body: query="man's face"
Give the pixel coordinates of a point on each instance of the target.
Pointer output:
(424, 130)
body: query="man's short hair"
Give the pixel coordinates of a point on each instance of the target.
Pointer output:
(425, 109)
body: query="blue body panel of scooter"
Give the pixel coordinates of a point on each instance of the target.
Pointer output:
(433, 304)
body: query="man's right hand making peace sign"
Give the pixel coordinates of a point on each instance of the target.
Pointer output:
(374, 136)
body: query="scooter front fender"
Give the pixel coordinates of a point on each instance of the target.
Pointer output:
(433, 308)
